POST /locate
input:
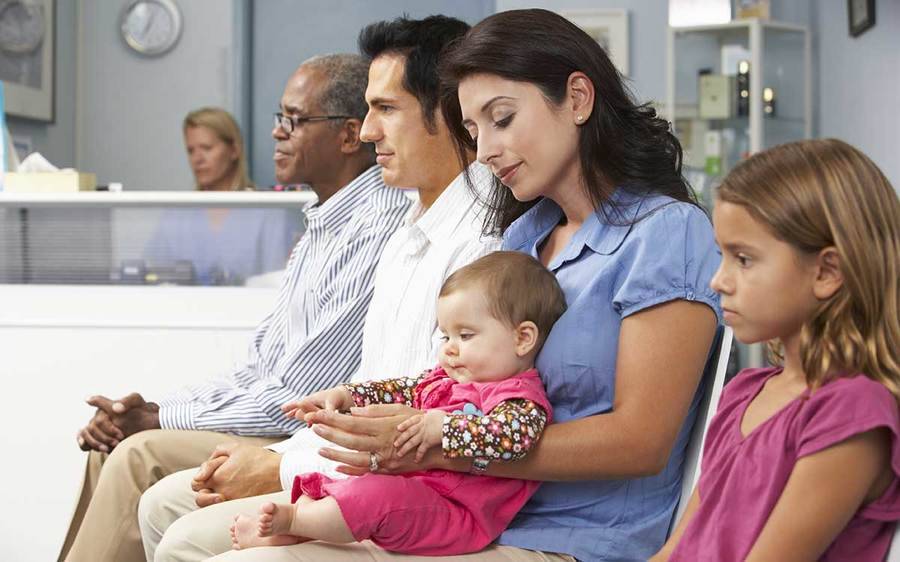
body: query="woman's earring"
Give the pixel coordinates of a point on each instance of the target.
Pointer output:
(579, 118)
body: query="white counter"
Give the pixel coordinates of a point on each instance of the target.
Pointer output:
(60, 344)
(159, 199)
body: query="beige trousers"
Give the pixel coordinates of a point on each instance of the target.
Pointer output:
(170, 519)
(104, 527)
(174, 529)
(368, 552)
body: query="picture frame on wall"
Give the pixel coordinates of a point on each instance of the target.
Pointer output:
(609, 28)
(860, 16)
(27, 31)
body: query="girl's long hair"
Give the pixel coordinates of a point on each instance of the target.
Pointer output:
(818, 193)
(622, 144)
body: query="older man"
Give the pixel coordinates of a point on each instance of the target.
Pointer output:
(311, 340)
(442, 232)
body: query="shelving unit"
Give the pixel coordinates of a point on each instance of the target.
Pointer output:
(780, 57)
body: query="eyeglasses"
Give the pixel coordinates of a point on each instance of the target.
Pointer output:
(289, 122)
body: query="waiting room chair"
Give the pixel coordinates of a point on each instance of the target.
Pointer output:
(713, 382)
(894, 551)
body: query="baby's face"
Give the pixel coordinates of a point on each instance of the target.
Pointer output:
(476, 347)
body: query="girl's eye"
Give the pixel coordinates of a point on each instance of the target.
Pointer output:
(743, 260)
(465, 337)
(444, 339)
(504, 123)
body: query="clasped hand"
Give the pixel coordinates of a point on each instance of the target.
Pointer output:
(113, 421)
(236, 470)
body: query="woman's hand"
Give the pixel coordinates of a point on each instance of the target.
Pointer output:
(334, 399)
(372, 429)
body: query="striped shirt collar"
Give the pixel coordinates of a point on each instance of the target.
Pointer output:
(338, 209)
(453, 205)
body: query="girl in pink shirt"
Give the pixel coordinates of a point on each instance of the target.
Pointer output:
(484, 401)
(801, 461)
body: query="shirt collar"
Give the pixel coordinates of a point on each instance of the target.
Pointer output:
(600, 233)
(452, 207)
(336, 211)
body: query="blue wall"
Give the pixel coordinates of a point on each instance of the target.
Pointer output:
(858, 85)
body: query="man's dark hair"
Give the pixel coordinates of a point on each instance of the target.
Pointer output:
(421, 42)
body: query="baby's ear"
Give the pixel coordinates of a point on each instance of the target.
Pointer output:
(527, 334)
(829, 277)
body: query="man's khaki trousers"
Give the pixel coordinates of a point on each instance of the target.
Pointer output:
(105, 527)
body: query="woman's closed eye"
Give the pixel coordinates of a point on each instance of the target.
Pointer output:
(504, 122)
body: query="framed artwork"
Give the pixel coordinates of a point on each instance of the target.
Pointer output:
(860, 15)
(609, 28)
(27, 29)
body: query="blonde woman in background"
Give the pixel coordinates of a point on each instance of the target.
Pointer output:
(224, 246)
(215, 150)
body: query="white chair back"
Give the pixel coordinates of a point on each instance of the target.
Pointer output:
(714, 382)
(894, 551)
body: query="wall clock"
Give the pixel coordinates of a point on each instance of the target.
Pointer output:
(151, 27)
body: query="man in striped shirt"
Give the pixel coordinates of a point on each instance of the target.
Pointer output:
(441, 233)
(310, 341)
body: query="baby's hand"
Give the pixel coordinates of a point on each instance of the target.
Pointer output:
(337, 398)
(420, 432)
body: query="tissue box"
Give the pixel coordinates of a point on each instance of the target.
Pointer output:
(48, 182)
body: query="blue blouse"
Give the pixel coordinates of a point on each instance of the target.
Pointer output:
(608, 271)
(248, 242)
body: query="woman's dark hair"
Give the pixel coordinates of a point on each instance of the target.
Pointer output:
(622, 144)
(421, 42)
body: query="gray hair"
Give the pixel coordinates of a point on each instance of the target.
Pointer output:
(348, 76)
(345, 93)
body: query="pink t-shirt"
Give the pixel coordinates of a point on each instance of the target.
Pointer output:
(743, 477)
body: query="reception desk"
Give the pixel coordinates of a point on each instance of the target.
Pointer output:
(62, 342)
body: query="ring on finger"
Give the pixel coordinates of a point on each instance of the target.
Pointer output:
(373, 462)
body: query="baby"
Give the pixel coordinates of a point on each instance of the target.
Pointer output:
(484, 401)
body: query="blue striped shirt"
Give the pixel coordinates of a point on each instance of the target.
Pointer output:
(312, 339)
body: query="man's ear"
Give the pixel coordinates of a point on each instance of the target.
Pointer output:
(829, 277)
(526, 338)
(350, 142)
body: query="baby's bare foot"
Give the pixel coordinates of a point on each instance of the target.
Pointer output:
(245, 535)
(234, 541)
(275, 519)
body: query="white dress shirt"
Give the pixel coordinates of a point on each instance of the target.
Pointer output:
(400, 333)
